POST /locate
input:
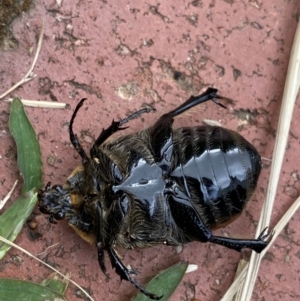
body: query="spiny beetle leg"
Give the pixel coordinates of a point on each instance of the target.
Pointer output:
(195, 229)
(192, 225)
(266, 234)
(124, 273)
(136, 114)
(161, 131)
(256, 245)
(115, 127)
(209, 94)
(162, 142)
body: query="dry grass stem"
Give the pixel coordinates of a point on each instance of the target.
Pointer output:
(289, 97)
(29, 75)
(242, 265)
(41, 103)
(6, 198)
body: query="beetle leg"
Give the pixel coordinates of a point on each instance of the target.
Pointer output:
(162, 142)
(100, 252)
(195, 229)
(124, 273)
(115, 127)
(192, 226)
(161, 131)
(114, 221)
(99, 238)
(209, 94)
(256, 245)
(136, 114)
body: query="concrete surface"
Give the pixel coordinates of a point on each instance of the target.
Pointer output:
(120, 56)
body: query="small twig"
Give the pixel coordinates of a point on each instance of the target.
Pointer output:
(40, 103)
(6, 198)
(29, 75)
(243, 264)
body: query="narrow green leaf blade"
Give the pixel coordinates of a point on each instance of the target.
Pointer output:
(12, 290)
(165, 283)
(30, 164)
(29, 155)
(13, 219)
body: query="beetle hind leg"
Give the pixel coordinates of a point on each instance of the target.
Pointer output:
(124, 273)
(195, 229)
(256, 245)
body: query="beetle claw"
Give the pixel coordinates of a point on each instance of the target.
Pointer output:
(265, 235)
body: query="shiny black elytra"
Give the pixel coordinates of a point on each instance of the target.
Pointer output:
(158, 186)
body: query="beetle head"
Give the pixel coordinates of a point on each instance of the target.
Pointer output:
(56, 202)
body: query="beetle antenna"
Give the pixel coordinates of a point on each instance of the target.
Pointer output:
(73, 137)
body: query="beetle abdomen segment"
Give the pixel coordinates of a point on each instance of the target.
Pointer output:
(217, 169)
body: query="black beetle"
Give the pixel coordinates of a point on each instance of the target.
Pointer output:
(158, 186)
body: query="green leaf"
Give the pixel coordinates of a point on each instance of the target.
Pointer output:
(165, 283)
(12, 290)
(30, 164)
(29, 155)
(13, 219)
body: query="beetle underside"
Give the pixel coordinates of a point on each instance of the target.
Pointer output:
(154, 187)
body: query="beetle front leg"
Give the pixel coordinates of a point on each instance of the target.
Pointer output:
(124, 273)
(114, 221)
(115, 127)
(105, 239)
